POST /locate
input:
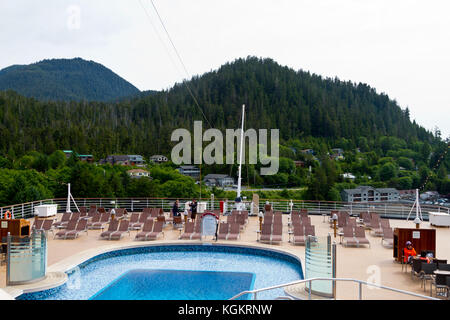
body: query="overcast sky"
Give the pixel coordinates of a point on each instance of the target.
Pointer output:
(399, 47)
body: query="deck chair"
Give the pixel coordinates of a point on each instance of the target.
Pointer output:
(277, 233)
(177, 222)
(142, 218)
(83, 212)
(231, 219)
(121, 213)
(134, 218)
(299, 235)
(113, 226)
(123, 228)
(223, 231)
(37, 224)
(197, 235)
(81, 226)
(101, 210)
(268, 219)
(388, 237)
(278, 219)
(360, 236)
(306, 220)
(310, 231)
(47, 226)
(95, 219)
(91, 213)
(233, 233)
(157, 231)
(266, 233)
(349, 239)
(104, 219)
(161, 219)
(71, 226)
(146, 230)
(188, 230)
(64, 220)
(241, 220)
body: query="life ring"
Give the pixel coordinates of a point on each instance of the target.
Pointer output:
(7, 215)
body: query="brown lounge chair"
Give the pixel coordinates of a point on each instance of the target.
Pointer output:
(177, 222)
(81, 226)
(94, 219)
(223, 231)
(360, 236)
(266, 232)
(299, 235)
(388, 237)
(188, 230)
(123, 227)
(277, 233)
(157, 231)
(91, 213)
(37, 224)
(64, 220)
(104, 219)
(233, 233)
(143, 217)
(197, 235)
(146, 230)
(45, 225)
(113, 226)
(349, 239)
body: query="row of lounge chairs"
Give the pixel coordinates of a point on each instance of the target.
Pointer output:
(73, 229)
(301, 233)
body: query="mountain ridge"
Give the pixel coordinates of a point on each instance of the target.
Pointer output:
(73, 79)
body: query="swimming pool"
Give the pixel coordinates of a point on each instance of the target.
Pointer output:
(159, 265)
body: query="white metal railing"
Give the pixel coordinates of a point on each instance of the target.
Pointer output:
(384, 209)
(309, 281)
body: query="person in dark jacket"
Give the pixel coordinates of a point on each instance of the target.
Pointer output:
(193, 206)
(176, 209)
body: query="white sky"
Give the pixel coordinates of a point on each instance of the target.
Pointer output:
(399, 47)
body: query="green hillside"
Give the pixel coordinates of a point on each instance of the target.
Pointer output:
(67, 80)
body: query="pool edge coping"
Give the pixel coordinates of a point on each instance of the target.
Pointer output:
(57, 272)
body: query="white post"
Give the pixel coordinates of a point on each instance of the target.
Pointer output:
(240, 154)
(68, 198)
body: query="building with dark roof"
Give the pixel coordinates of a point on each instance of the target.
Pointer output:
(370, 194)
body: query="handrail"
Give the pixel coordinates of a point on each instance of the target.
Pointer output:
(360, 283)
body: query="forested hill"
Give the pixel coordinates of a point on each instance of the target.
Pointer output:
(67, 80)
(300, 104)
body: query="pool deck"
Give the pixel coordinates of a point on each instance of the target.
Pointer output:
(362, 263)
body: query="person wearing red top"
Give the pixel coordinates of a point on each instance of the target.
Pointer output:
(408, 252)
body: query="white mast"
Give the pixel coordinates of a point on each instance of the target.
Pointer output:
(418, 218)
(240, 154)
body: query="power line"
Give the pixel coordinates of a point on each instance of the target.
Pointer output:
(191, 93)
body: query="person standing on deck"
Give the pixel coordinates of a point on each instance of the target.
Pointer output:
(175, 209)
(193, 206)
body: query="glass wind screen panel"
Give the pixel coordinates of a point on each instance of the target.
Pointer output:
(27, 259)
(319, 264)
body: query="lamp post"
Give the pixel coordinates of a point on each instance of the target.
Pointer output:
(335, 217)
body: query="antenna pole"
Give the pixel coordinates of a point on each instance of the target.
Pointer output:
(240, 154)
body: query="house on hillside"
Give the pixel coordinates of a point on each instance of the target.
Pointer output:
(190, 171)
(124, 160)
(348, 175)
(337, 154)
(82, 157)
(138, 173)
(218, 180)
(370, 194)
(157, 158)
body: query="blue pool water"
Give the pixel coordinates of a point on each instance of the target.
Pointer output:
(148, 284)
(87, 279)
